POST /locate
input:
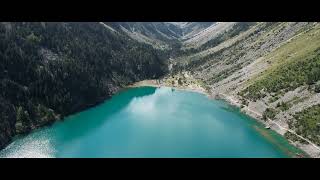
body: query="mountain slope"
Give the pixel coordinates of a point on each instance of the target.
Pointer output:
(196, 39)
(270, 70)
(158, 34)
(161, 35)
(50, 70)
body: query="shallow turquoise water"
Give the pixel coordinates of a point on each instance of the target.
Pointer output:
(150, 122)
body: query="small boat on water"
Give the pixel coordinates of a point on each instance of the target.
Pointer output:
(267, 127)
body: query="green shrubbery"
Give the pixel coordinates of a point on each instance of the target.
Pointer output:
(283, 106)
(294, 137)
(22, 121)
(244, 102)
(285, 78)
(180, 81)
(307, 123)
(317, 87)
(273, 99)
(269, 113)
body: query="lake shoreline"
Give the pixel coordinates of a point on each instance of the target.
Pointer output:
(156, 119)
(311, 150)
(229, 100)
(154, 83)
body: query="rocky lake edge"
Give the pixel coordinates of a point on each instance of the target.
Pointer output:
(187, 83)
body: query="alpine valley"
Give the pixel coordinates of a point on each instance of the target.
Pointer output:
(268, 71)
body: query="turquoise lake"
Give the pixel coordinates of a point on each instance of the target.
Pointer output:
(153, 122)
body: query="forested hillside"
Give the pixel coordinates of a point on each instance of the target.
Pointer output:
(50, 70)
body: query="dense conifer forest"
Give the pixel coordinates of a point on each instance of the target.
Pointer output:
(50, 70)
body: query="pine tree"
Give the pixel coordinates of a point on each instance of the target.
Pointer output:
(22, 121)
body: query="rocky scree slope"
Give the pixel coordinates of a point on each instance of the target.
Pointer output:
(270, 70)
